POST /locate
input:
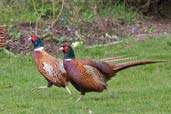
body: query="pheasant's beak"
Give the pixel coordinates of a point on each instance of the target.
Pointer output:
(61, 49)
(29, 39)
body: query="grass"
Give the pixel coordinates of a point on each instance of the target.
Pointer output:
(138, 90)
(14, 11)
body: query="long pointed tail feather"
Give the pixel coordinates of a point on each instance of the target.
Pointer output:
(121, 66)
(114, 59)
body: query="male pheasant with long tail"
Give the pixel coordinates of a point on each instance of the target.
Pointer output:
(51, 68)
(92, 75)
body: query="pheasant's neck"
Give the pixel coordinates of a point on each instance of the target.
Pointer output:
(69, 56)
(39, 49)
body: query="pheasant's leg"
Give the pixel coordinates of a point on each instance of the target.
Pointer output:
(68, 90)
(79, 98)
(43, 87)
(109, 92)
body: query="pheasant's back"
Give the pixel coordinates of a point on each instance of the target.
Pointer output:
(51, 68)
(84, 78)
(102, 67)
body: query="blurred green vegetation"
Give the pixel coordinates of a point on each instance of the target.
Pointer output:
(75, 10)
(72, 11)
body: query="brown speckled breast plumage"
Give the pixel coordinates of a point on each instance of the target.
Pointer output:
(51, 68)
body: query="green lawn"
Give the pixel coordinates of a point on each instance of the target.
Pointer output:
(138, 90)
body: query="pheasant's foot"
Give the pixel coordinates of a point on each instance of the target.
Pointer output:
(109, 92)
(79, 99)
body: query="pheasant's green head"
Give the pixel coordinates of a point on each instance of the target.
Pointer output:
(36, 41)
(68, 52)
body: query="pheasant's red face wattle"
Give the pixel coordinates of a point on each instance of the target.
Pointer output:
(34, 38)
(65, 48)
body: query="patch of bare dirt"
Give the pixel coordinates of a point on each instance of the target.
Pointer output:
(89, 33)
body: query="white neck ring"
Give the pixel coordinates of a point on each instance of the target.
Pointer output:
(39, 49)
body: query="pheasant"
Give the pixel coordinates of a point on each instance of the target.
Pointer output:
(51, 68)
(92, 75)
